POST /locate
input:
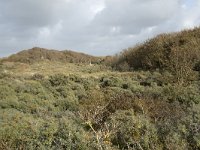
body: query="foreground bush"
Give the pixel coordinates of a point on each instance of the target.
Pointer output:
(125, 111)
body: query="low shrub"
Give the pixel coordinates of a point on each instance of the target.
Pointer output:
(129, 131)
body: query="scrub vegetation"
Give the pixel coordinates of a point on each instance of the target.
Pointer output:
(146, 97)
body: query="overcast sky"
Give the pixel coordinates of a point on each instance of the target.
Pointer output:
(97, 27)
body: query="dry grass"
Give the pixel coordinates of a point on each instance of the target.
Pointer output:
(47, 68)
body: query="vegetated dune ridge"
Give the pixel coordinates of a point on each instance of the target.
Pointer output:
(162, 52)
(38, 54)
(147, 97)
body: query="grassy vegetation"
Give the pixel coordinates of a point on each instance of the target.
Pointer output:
(60, 105)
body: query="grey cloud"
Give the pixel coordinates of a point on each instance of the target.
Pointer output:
(133, 15)
(27, 13)
(96, 27)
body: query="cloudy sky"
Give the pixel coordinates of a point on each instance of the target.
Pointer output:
(97, 27)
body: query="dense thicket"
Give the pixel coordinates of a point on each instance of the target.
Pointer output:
(174, 52)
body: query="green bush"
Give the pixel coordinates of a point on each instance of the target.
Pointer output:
(70, 134)
(185, 95)
(112, 82)
(8, 97)
(58, 79)
(129, 131)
